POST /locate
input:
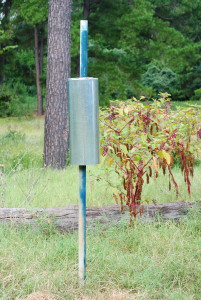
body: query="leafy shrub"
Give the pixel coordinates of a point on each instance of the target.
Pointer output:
(138, 139)
(197, 94)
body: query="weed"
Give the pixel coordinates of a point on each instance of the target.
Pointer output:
(138, 139)
(13, 136)
(25, 160)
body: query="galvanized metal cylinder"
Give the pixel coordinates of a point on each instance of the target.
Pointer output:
(84, 121)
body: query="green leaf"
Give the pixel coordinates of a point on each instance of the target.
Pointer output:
(124, 149)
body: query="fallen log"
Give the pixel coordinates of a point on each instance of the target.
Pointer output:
(66, 218)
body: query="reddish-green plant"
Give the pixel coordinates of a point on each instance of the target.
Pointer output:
(138, 139)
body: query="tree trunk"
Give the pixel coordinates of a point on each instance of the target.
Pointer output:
(2, 68)
(66, 218)
(86, 10)
(37, 65)
(58, 70)
(4, 25)
(41, 50)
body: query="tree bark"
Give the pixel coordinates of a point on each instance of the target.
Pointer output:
(66, 218)
(86, 9)
(37, 65)
(58, 70)
(41, 50)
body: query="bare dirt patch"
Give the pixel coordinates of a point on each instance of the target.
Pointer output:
(116, 295)
(41, 296)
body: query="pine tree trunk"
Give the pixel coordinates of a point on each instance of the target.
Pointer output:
(38, 84)
(58, 70)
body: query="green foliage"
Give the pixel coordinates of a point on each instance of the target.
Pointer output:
(126, 42)
(15, 101)
(4, 38)
(5, 100)
(32, 11)
(22, 65)
(197, 94)
(160, 79)
(134, 37)
(17, 29)
(138, 139)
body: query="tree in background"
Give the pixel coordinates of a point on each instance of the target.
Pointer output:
(5, 33)
(34, 13)
(133, 35)
(58, 70)
(126, 38)
(25, 25)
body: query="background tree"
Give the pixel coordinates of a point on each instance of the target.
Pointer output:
(4, 26)
(127, 40)
(34, 13)
(58, 70)
(19, 68)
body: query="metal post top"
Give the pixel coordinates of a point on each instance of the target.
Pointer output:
(84, 25)
(82, 78)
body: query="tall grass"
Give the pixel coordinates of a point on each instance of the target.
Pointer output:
(21, 142)
(51, 188)
(149, 261)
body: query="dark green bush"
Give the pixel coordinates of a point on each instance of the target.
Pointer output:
(6, 96)
(16, 100)
(160, 79)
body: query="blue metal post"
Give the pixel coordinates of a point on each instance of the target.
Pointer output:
(83, 48)
(82, 169)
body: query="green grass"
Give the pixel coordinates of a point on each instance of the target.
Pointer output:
(47, 188)
(185, 103)
(21, 142)
(149, 261)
